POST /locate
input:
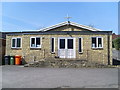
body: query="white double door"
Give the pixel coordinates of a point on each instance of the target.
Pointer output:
(66, 47)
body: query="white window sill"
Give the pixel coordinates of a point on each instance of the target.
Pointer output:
(15, 47)
(35, 48)
(80, 52)
(98, 48)
(52, 52)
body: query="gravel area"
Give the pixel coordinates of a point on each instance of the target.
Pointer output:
(31, 77)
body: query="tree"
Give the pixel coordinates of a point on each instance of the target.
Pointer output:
(113, 45)
(117, 43)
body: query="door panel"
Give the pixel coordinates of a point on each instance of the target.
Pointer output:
(66, 47)
(70, 49)
(62, 44)
(69, 43)
(70, 53)
(62, 50)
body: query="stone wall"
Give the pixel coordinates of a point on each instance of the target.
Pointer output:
(30, 55)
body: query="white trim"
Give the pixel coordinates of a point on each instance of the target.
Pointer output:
(16, 42)
(71, 23)
(66, 44)
(66, 48)
(59, 41)
(53, 26)
(81, 44)
(41, 42)
(58, 44)
(12, 42)
(51, 44)
(35, 41)
(101, 41)
(97, 42)
(84, 26)
(91, 42)
(74, 39)
(21, 43)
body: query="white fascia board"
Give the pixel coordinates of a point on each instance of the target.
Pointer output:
(71, 23)
(53, 26)
(86, 27)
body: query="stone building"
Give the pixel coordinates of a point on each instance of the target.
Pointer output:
(66, 40)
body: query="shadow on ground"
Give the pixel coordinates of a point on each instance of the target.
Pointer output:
(116, 62)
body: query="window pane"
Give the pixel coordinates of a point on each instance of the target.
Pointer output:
(13, 42)
(62, 43)
(32, 42)
(70, 43)
(52, 43)
(18, 42)
(94, 42)
(99, 42)
(80, 45)
(38, 42)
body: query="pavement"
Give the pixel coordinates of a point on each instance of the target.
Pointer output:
(31, 77)
(116, 54)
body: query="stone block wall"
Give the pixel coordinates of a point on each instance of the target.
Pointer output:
(30, 55)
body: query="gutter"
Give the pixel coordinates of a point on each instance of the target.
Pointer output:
(62, 33)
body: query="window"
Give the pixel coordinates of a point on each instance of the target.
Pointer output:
(97, 42)
(35, 42)
(62, 43)
(52, 45)
(13, 42)
(16, 42)
(94, 43)
(70, 43)
(38, 42)
(80, 45)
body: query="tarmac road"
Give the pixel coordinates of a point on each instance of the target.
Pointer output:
(30, 77)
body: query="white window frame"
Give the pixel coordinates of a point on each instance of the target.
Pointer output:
(54, 44)
(16, 42)
(66, 48)
(81, 45)
(97, 42)
(35, 42)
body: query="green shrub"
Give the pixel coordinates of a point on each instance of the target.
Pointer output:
(113, 45)
(117, 43)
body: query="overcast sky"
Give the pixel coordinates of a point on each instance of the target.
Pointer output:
(21, 16)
